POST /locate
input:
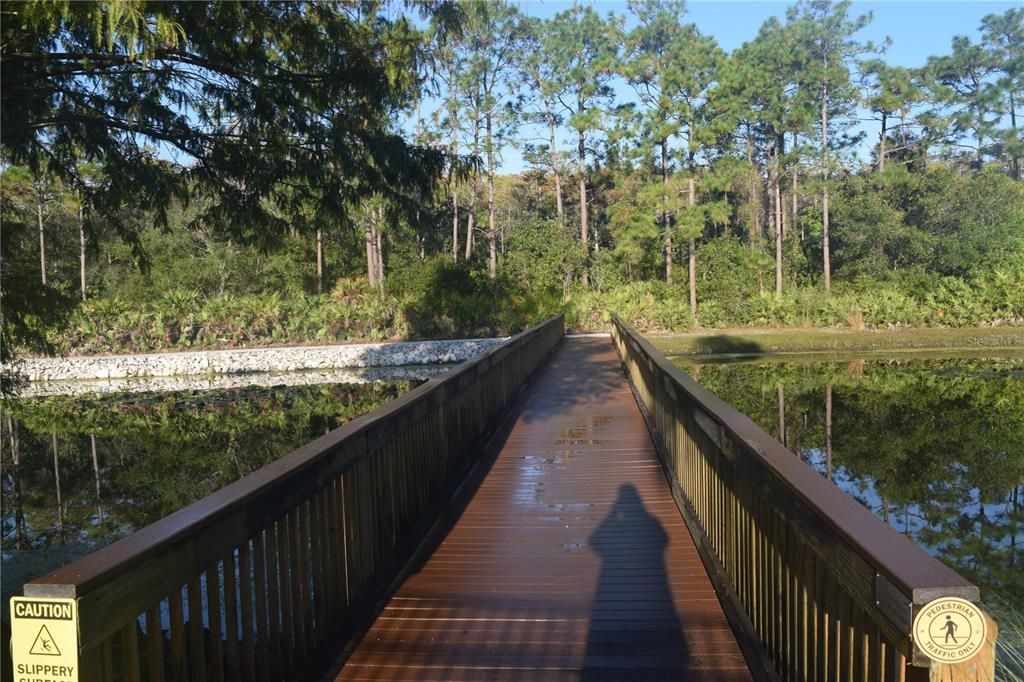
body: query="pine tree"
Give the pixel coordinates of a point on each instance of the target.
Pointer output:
(583, 48)
(825, 35)
(1003, 37)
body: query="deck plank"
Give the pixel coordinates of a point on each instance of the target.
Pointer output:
(570, 562)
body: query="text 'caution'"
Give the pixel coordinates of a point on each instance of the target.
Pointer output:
(44, 639)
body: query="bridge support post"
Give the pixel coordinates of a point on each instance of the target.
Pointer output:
(980, 668)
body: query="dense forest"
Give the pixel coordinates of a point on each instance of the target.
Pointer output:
(196, 175)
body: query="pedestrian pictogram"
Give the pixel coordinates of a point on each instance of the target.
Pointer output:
(44, 645)
(950, 630)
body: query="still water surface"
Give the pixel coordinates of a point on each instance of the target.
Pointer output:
(79, 472)
(933, 446)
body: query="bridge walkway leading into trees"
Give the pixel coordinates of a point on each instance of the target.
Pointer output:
(569, 562)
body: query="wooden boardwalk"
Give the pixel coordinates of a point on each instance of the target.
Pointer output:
(570, 561)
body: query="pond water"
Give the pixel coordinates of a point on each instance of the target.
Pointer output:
(79, 472)
(932, 445)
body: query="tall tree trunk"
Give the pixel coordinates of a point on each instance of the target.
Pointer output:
(81, 247)
(582, 169)
(692, 255)
(453, 147)
(825, 246)
(666, 220)
(555, 170)
(19, 514)
(42, 233)
(455, 226)
(782, 413)
(979, 132)
(794, 195)
(371, 259)
(12, 434)
(881, 145)
(780, 197)
(492, 231)
(1014, 507)
(453, 187)
(584, 222)
(379, 248)
(471, 218)
(319, 260)
(780, 225)
(1013, 125)
(773, 209)
(96, 476)
(828, 431)
(755, 227)
(56, 477)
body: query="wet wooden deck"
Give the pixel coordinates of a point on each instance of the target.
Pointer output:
(570, 561)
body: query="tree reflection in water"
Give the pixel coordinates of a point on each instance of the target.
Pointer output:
(119, 462)
(935, 447)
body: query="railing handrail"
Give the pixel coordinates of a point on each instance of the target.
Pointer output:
(917, 574)
(265, 485)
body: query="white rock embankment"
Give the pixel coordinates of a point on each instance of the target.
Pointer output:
(239, 361)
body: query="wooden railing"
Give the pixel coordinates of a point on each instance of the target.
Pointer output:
(258, 579)
(816, 585)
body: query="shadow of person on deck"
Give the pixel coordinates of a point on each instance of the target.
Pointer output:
(635, 632)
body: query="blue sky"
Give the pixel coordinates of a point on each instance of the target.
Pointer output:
(917, 29)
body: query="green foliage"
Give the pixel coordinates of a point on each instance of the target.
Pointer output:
(543, 258)
(161, 451)
(937, 441)
(445, 299)
(919, 244)
(650, 305)
(226, 87)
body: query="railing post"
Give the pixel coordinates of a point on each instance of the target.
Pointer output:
(980, 667)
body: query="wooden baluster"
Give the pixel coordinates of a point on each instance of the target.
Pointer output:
(246, 613)
(876, 652)
(232, 662)
(300, 578)
(316, 582)
(197, 649)
(179, 664)
(260, 591)
(273, 632)
(154, 646)
(129, 658)
(214, 609)
(859, 648)
(333, 560)
(284, 563)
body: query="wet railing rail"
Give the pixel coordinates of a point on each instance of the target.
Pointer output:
(260, 578)
(823, 588)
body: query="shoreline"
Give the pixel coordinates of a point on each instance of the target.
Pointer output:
(250, 360)
(752, 341)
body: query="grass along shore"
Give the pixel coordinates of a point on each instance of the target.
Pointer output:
(755, 341)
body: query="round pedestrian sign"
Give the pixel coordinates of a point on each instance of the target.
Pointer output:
(950, 630)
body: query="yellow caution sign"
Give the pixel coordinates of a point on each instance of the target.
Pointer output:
(44, 639)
